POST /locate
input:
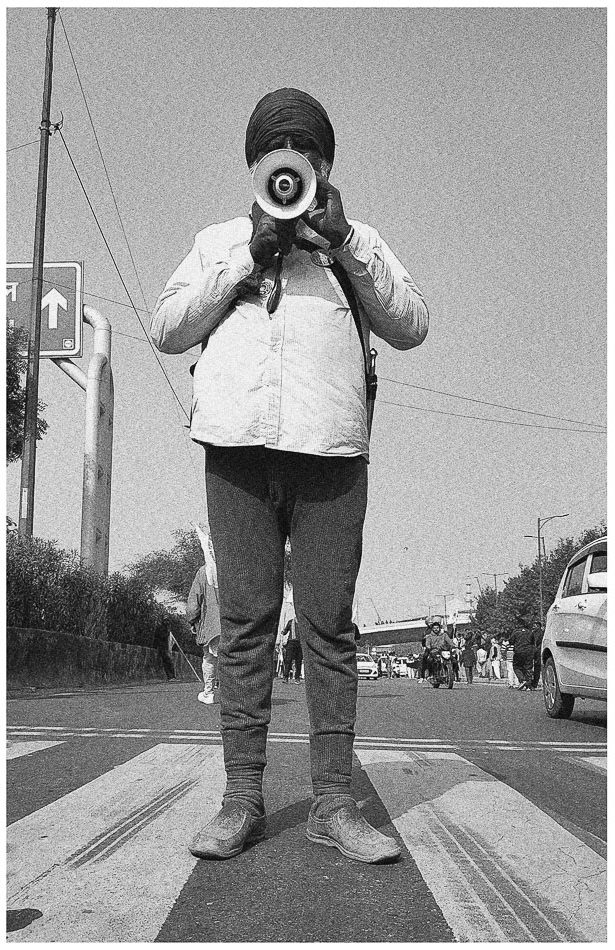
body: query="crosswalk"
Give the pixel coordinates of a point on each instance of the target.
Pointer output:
(108, 860)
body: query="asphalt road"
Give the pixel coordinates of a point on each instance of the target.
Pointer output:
(501, 812)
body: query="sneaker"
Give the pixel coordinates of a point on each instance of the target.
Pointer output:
(228, 833)
(207, 698)
(348, 831)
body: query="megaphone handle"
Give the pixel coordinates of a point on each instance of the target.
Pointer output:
(274, 297)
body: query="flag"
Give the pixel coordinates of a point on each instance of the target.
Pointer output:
(208, 553)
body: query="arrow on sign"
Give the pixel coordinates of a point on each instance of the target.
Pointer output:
(53, 300)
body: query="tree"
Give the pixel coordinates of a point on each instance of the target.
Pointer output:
(16, 365)
(518, 604)
(172, 570)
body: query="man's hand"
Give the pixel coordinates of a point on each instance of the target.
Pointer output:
(269, 236)
(328, 221)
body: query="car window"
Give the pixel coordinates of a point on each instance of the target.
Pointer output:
(362, 657)
(598, 562)
(574, 581)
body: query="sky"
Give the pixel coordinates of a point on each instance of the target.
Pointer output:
(473, 139)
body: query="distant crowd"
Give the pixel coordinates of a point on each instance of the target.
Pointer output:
(513, 658)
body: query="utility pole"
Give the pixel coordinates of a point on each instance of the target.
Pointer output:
(534, 536)
(28, 460)
(449, 594)
(541, 523)
(495, 580)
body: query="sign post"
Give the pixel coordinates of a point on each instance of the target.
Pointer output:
(28, 457)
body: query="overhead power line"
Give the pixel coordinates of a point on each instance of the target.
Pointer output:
(25, 145)
(102, 158)
(507, 422)
(119, 273)
(494, 405)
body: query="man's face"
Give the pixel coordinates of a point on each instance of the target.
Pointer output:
(303, 144)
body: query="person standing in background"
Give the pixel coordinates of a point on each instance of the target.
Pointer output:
(523, 656)
(468, 659)
(203, 615)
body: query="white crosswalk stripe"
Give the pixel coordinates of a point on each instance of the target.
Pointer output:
(15, 749)
(500, 869)
(107, 861)
(213, 735)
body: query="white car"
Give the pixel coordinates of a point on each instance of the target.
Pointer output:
(574, 645)
(366, 668)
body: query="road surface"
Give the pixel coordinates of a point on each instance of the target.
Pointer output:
(501, 813)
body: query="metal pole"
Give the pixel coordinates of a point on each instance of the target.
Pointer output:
(542, 609)
(28, 461)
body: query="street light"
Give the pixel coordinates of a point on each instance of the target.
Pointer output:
(541, 523)
(422, 603)
(495, 580)
(450, 594)
(535, 536)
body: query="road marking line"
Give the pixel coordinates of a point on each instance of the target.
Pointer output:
(481, 847)
(106, 862)
(15, 750)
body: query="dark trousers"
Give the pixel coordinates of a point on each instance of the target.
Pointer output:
(293, 652)
(469, 673)
(523, 666)
(256, 498)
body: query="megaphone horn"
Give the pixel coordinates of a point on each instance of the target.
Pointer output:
(284, 184)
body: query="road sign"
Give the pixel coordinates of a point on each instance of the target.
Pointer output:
(61, 305)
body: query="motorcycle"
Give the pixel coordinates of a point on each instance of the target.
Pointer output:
(442, 673)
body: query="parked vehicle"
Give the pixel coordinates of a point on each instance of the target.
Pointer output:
(574, 646)
(366, 667)
(442, 669)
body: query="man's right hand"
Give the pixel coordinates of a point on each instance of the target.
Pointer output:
(269, 236)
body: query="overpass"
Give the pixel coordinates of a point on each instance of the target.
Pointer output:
(411, 631)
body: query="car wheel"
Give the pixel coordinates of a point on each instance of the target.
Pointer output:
(558, 705)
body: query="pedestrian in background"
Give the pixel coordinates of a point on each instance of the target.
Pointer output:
(468, 659)
(293, 654)
(163, 643)
(538, 635)
(494, 656)
(523, 656)
(203, 615)
(507, 664)
(481, 660)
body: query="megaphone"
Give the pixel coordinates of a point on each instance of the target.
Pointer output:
(284, 184)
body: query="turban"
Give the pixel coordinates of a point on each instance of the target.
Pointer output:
(288, 111)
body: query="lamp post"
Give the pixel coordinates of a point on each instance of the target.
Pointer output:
(541, 523)
(444, 596)
(535, 536)
(495, 581)
(422, 603)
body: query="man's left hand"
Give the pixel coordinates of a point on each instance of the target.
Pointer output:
(328, 221)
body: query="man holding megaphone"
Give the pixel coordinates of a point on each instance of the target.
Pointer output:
(282, 303)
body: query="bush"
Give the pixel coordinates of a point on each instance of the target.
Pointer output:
(47, 588)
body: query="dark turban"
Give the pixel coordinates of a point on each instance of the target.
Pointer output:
(284, 112)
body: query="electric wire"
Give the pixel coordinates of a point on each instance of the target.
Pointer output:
(102, 158)
(119, 273)
(507, 422)
(25, 145)
(494, 405)
(381, 401)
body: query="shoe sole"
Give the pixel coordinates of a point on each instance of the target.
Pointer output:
(330, 843)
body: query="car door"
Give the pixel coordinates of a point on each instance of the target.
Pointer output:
(579, 618)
